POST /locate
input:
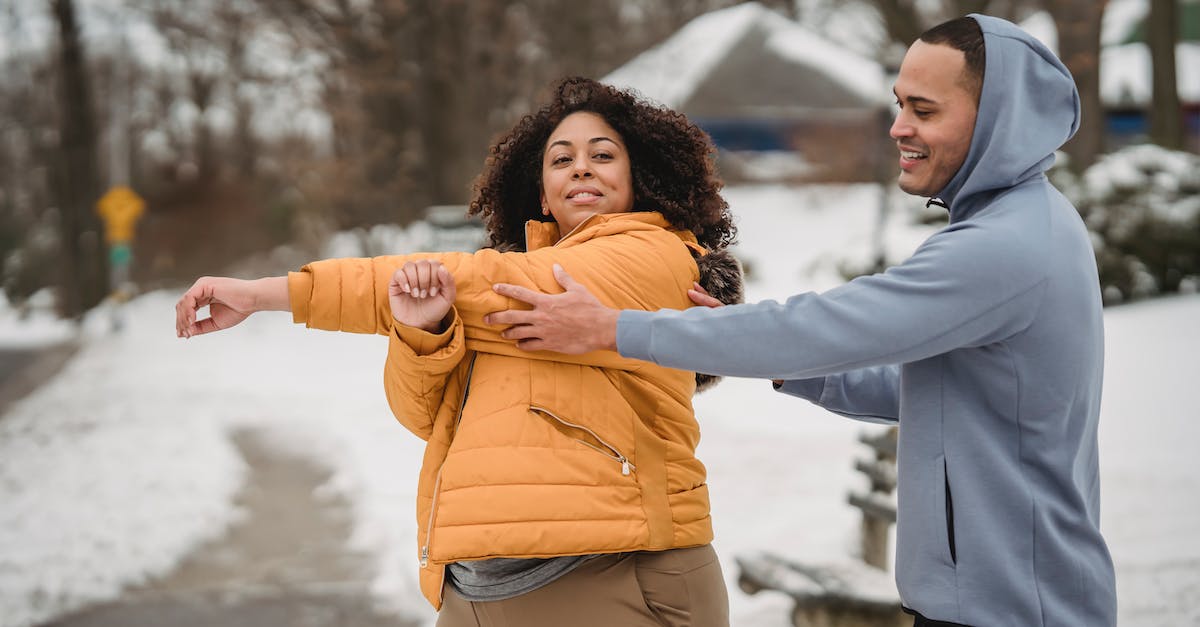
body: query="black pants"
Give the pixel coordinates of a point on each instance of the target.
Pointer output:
(921, 621)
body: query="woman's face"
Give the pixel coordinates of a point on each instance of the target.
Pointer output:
(585, 171)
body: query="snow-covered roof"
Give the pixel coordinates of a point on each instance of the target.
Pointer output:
(672, 72)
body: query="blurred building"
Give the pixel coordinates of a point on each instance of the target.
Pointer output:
(780, 101)
(1125, 73)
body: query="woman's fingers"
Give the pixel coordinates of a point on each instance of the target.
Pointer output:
(446, 283)
(424, 278)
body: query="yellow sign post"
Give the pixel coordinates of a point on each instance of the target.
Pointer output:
(120, 208)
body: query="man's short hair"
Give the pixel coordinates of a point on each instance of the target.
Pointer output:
(963, 34)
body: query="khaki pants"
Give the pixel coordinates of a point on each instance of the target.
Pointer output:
(675, 588)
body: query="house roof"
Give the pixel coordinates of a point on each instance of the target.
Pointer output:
(747, 60)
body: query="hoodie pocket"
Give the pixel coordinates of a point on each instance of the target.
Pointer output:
(949, 512)
(586, 437)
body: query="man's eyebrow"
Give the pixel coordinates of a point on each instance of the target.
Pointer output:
(915, 99)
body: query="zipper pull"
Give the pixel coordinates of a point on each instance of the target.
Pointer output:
(424, 556)
(625, 466)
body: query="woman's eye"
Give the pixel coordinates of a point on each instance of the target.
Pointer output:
(922, 114)
(602, 156)
(560, 160)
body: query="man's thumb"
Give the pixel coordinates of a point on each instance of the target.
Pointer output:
(564, 279)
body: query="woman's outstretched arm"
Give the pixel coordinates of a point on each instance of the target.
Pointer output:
(229, 302)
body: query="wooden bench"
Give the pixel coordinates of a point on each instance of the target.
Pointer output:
(878, 506)
(850, 593)
(844, 594)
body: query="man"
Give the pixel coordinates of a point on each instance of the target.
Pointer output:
(986, 346)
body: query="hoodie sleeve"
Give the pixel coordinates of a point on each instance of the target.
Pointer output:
(867, 394)
(968, 285)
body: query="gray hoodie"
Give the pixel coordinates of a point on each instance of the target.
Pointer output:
(986, 346)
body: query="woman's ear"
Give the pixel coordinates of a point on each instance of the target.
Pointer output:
(545, 209)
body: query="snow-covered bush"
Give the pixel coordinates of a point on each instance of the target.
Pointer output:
(1142, 206)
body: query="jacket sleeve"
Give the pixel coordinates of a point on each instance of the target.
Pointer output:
(418, 367)
(644, 270)
(963, 287)
(866, 394)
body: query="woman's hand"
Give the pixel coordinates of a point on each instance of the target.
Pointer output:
(229, 302)
(421, 293)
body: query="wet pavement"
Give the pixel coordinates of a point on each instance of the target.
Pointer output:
(22, 370)
(286, 564)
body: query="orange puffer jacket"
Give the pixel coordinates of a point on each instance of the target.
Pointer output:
(552, 454)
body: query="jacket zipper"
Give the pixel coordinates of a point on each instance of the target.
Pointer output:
(612, 451)
(437, 483)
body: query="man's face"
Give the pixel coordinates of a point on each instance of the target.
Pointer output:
(936, 120)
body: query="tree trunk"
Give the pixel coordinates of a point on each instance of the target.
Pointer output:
(901, 20)
(84, 279)
(1166, 115)
(441, 96)
(1079, 47)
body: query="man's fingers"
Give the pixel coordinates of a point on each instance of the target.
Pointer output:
(522, 294)
(535, 344)
(564, 279)
(509, 317)
(703, 299)
(519, 332)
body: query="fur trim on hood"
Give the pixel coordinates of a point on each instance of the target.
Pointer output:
(721, 277)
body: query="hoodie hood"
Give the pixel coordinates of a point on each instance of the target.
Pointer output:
(1028, 108)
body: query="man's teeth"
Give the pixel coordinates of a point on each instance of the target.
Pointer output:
(912, 155)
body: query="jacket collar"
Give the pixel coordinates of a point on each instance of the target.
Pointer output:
(541, 234)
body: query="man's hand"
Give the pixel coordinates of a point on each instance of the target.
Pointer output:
(421, 293)
(229, 302)
(701, 297)
(573, 322)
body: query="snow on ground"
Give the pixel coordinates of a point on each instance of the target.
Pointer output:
(123, 463)
(33, 325)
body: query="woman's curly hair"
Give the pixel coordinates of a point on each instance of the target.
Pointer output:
(672, 160)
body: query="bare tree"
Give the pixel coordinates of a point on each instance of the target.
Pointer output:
(1079, 47)
(905, 20)
(84, 279)
(1162, 33)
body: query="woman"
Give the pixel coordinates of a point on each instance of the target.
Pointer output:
(553, 488)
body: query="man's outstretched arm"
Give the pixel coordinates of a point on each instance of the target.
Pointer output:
(573, 322)
(940, 299)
